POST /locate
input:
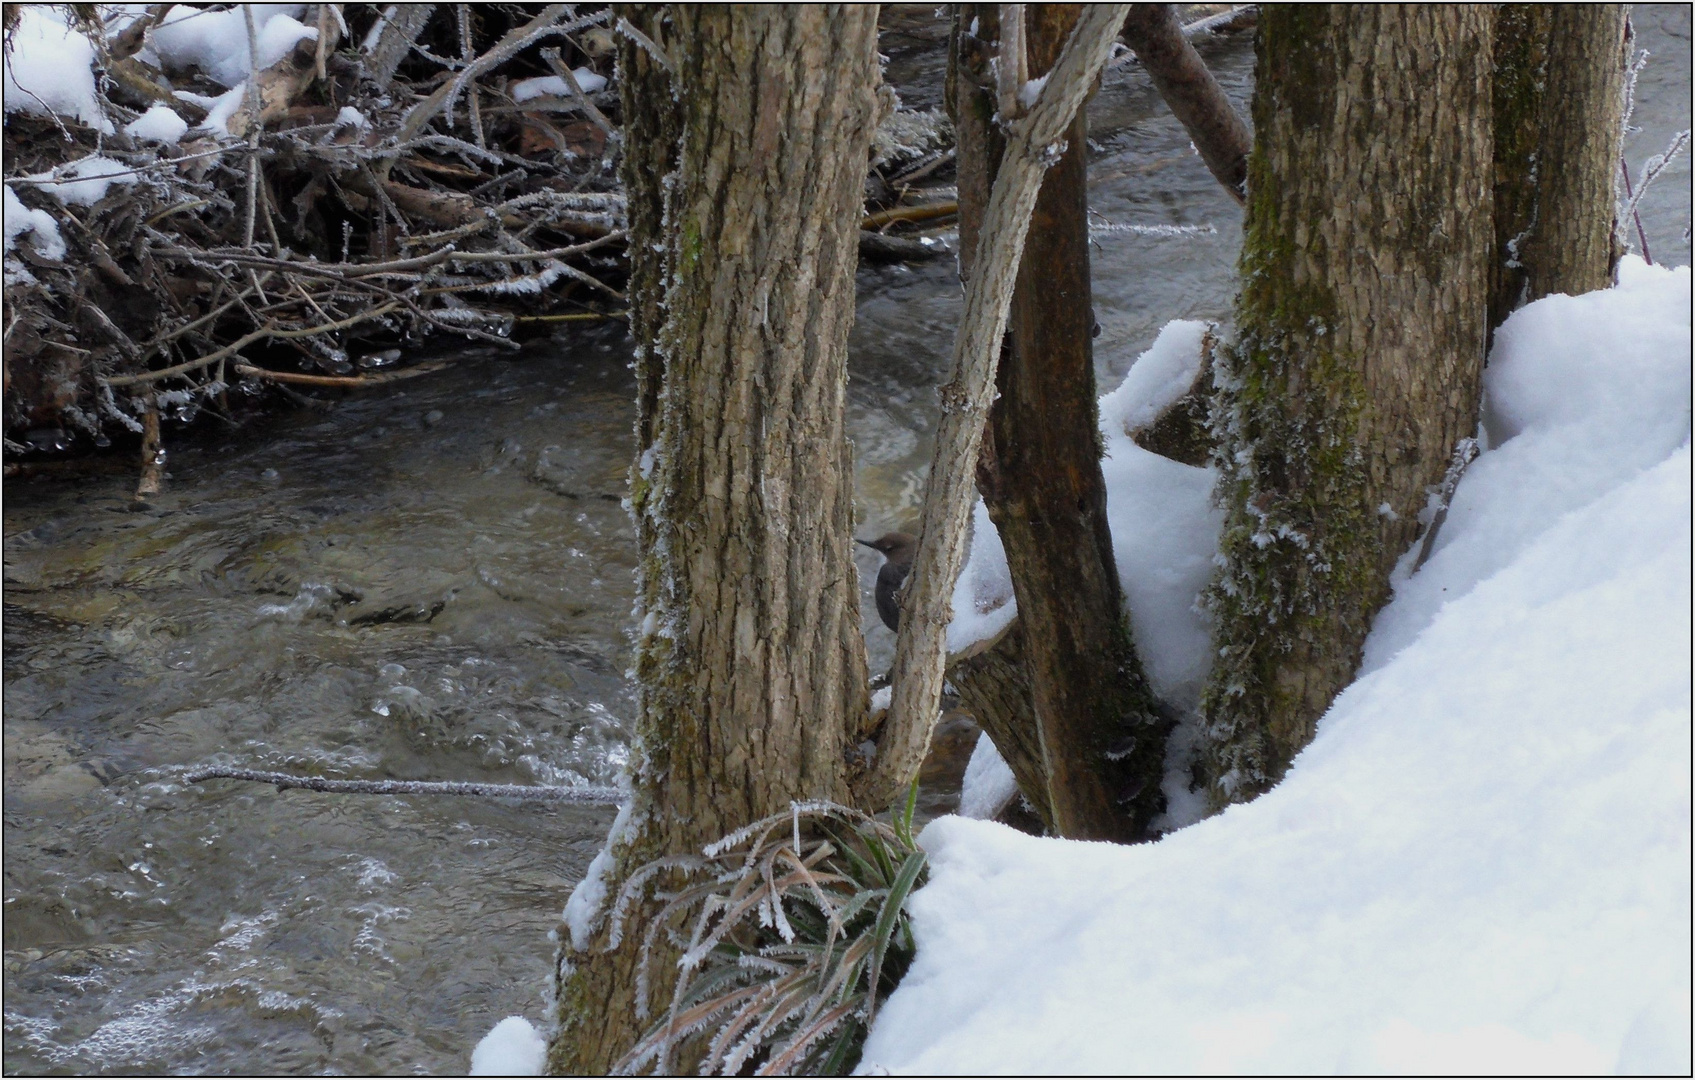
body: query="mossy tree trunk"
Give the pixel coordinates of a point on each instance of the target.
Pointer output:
(1359, 347)
(1101, 734)
(745, 161)
(1558, 108)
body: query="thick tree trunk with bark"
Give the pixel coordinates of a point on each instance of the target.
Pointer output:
(1359, 347)
(1558, 106)
(750, 128)
(1100, 732)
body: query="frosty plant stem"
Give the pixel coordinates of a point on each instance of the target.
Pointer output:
(920, 650)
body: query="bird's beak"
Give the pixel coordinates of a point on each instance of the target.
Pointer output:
(872, 544)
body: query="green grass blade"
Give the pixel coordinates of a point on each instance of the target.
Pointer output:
(889, 918)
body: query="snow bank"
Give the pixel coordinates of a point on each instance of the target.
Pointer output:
(1566, 430)
(49, 68)
(988, 785)
(1164, 526)
(216, 41)
(512, 1048)
(1481, 864)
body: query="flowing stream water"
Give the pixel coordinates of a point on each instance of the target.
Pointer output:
(435, 582)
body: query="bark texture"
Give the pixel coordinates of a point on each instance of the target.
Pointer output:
(1100, 735)
(1036, 139)
(994, 687)
(1360, 338)
(750, 132)
(1559, 106)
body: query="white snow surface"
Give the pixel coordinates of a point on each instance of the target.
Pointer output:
(1156, 380)
(43, 231)
(1482, 862)
(988, 784)
(1164, 530)
(554, 85)
(982, 595)
(160, 124)
(587, 904)
(512, 1047)
(216, 41)
(219, 109)
(84, 182)
(49, 68)
(1164, 526)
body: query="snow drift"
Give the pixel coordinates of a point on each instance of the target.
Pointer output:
(1480, 865)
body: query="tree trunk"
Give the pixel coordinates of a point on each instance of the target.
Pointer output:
(1101, 736)
(746, 158)
(1358, 352)
(1559, 105)
(993, 681)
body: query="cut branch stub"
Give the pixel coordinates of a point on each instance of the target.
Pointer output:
(920, 650)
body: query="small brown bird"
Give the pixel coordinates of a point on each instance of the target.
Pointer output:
(897, 549)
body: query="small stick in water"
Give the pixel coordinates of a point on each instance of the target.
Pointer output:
(598, 795)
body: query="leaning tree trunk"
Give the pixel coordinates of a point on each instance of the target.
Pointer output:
(1101, 735)
(750, 129)
(1559, 105)
(1358, 352)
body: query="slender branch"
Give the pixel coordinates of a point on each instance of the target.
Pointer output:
(1241, 17)
(545, 24)
(920, 212)
(1192, 94)
(341, 382)
(1011, 65)
(244, 341)
(391, 38)
(602, 796)
(1465, 451)
(1033, 144)
(563, 70)
(253, 132)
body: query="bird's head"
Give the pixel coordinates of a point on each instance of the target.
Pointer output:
(893, 545)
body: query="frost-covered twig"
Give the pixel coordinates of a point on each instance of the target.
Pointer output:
(647, 44)
(598, 795)
(1651, 169)
(563, 70)
(1465, 451)
(242, 342)
(254, 131)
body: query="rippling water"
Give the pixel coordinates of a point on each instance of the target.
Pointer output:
(435, 582)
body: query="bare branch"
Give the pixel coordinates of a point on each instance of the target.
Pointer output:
(400, 25)
(1192, 93)
(602, 796)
